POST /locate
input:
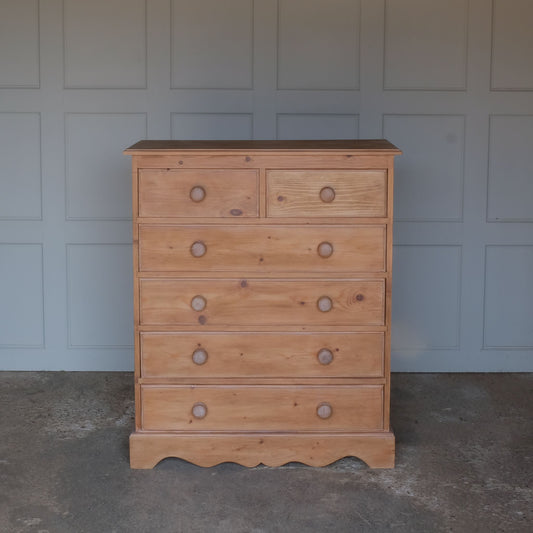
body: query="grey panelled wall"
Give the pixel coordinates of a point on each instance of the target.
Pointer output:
(450, 82)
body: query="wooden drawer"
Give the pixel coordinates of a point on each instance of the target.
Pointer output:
(256, 302)
(262, 248)
(198, 193)
(326, 193)
(222, 355)
(262, 408)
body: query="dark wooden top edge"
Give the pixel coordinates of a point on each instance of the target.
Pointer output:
(162, 146)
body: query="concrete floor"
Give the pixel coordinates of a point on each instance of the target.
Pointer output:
(464, 464)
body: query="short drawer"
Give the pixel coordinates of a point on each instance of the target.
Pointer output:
(327, 193)
(262, 248)
(255, 302)
(215, 193)
(262, 408)
(308, 355)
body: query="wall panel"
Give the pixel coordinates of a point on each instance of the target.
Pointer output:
(21, 296)
(98, 177)
(105, 44)
(431, 172)
(512, 45)
(99, 296)
(318, 44)
(508, 305)
(427, 313)
(510, 179)
(20, 168)
(212, 126)
(212, 44)
(425, 44)
(317, 126)
(19, 44)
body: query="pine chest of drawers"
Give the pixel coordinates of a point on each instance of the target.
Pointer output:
(262, 290)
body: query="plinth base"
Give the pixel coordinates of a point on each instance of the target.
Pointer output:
(271, 449)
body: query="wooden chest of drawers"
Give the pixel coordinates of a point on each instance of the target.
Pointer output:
(262, 279)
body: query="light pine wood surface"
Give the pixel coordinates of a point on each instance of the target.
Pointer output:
(178, 193)
(262, 275)
(326, 193)
(257, 355)
(272, 449)
(262, 302)
(229, 248)
(262, 408)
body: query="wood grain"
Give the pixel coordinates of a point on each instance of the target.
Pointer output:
(228, 193)
(375, 449)
(164, 248)
(261, 302)
(262, 408)
(353, 193)
(261, 355)
(263, 160)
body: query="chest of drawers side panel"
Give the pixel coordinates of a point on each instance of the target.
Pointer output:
(388, 291)
(136, 307)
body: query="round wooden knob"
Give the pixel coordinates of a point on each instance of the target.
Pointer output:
(199, 410)
(198, 303)
(325, 304)
(327, 194)
(199, 356)
(325, 356)
(198, 249)
(324, 410)
(197, 193)
(325, 249)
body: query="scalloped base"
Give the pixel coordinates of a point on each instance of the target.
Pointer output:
(272, 449)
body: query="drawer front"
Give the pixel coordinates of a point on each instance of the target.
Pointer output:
(261, 408)
(262, 302)
(327, 193)
(251, 355)
(198, 193)
(262, 248)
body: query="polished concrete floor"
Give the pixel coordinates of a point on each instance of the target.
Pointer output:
(464, 464)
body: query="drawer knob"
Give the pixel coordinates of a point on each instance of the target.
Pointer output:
(199, 410)
(327, 194)
(198, 303)
(198, 249)
(197, 193)
(324, 304)
(325, 249)
(325, 356)
(199, 356)
(324, 410)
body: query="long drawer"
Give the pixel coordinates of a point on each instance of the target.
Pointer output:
(164, 248)
(261, 408)
(222, 355)
(256, 302)
(326, 193)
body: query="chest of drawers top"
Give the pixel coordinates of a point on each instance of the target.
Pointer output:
(292, 146)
